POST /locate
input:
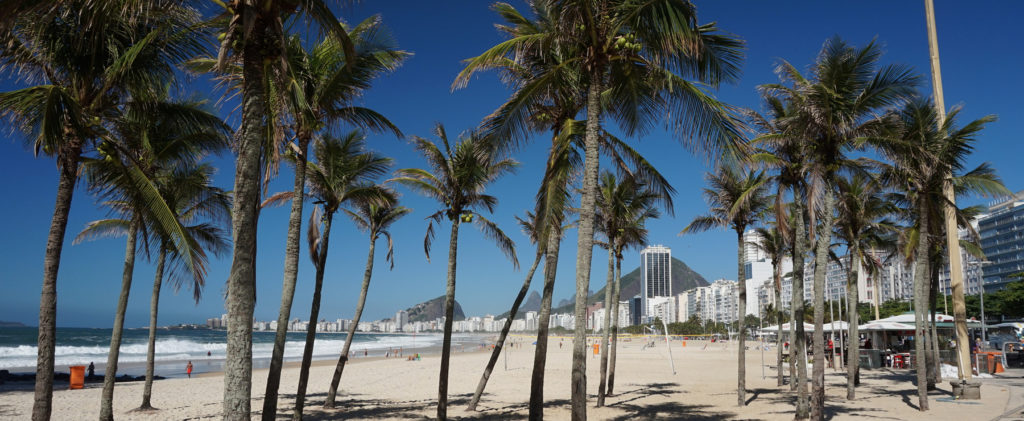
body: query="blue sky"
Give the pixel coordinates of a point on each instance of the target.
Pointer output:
(981, 64)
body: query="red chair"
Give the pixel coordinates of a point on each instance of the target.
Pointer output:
(899, 361)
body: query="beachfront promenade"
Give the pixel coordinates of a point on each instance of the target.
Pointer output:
(645, 388)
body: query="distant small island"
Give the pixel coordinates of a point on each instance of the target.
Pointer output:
(10, 324)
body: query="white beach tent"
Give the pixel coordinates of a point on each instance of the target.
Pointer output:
(883, 325)
(840, 326)
(908, 318)
(785, 328)
(809, 327)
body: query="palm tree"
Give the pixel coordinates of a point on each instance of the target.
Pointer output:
(736, 200)
(773, 243)
(633, 235)
(375, 219)
(837, 105)
(926, 150)
(861, 226)
(202, 210)
(255, 35)
(148, 141)
(457, 179)
(546, 97)
(622, 208)
(642, 52)
(322, 95)
(83, 61)
(159, 144)
(639, 53)
(344, 173)
(781, 147)
(529, 226)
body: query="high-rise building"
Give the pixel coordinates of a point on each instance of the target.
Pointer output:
(751, 251)
(655, 276)
(717, 302)
(1002, 240)
(401, 318)
(636, 305)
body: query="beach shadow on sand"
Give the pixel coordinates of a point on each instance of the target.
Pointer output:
(353, 407)
(671, 410)
(635, 409)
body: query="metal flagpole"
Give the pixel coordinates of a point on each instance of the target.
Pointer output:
(669, 345)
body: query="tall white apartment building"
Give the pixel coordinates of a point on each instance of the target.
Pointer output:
(664, 308)
(401, 318)
(718, 302)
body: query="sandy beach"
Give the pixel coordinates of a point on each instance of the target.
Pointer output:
(703, 388)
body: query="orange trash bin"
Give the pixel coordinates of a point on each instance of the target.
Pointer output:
(77, 376)
(597, 349)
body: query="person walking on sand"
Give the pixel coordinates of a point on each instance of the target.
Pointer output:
(188, 369)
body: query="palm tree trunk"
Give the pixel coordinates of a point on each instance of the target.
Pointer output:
(792, 335)
(741, 366)
(68, 168)
(154, 306)
(934, 365)
(340, 368)
(776, 272)
(921, 304)
(291, 272)
(543, 321)
(800, 337)
(449, 314)
(853, 346)
(504, 333)
(820, 269)
(110, 372)
(585, 249)
(615, 325)
(607, 324)
(241, 282)
(314, 315)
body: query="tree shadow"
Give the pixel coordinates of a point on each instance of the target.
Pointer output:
(353, 407)
(671, 410)
(754, 393)
(832, 411)
(648, 390)
(8, 411)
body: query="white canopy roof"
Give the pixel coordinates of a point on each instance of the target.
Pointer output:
(809, 327)
(908, 317)
(880, 325)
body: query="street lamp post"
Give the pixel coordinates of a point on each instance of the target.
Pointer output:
(981, 297)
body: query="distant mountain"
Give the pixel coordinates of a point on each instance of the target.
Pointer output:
(532, 303)
(19, 324)
(683, 278)
(433, 309)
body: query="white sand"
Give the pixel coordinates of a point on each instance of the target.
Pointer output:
(704, 387)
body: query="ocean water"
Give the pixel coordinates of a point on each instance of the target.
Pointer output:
(80, 346)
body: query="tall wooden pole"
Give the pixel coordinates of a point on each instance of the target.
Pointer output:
(956, 273)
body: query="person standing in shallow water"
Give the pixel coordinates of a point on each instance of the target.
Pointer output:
(188, 369)
(92, 369)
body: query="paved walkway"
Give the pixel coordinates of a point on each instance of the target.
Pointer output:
(1013, 380)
